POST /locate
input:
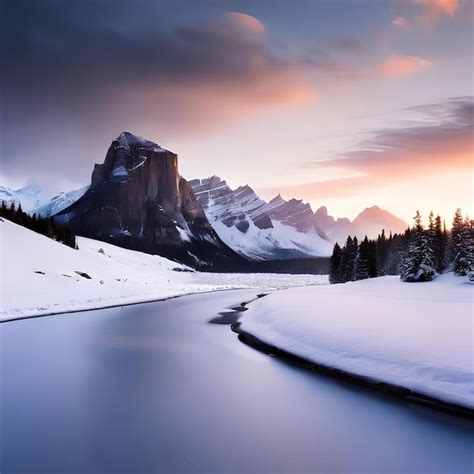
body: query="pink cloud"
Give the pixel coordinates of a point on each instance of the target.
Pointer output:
(433, 10)
(394, 155)
(245, 21)
(401, 65)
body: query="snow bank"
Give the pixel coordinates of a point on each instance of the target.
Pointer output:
(40, 276)
(415, 335)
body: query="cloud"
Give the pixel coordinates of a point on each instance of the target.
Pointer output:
(401, 65)
(245, 21)
(402, 22)
(439, 140)
(91, 71)
(433, 10)
(367, 68)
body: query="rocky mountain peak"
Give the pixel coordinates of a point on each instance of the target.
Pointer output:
(137, 199)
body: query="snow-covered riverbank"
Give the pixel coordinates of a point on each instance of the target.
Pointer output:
(418, 336)
(40, 276)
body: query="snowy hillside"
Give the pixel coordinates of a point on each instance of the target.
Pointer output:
(414, 335)
(40, 276)
(257, 229)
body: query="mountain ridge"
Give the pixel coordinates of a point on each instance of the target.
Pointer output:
(149, 206)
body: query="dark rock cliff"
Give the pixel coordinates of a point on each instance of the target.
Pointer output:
(138, 200)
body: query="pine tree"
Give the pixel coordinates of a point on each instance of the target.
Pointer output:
(456, 231)
(349, 252)
(382, 248)
(335, 264)
(463, 259)
(439, 245)
(417, 264)
(360, 271)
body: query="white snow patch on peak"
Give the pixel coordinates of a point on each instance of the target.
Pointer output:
(128, 138)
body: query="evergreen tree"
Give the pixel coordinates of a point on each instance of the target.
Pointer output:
(439, 245)
(349, 252)
(382, 248)
(417, 264)
(360, 271)
(463, 259)
(456, 231)
(335, 264)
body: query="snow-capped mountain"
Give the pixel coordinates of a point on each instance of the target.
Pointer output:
(279, 228)
(138, 200)
(30, 197)
(60, 201)
(257, 229)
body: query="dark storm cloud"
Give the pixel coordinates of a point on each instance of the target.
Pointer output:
(75, 73)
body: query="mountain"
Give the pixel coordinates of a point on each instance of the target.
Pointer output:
(31, 197)
(282, 229)
(372, 219)
(138, 200)
(60, 202)
(369, 222)
(256, 229)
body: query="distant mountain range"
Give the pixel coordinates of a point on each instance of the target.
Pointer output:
(138, 200)
(280, 228)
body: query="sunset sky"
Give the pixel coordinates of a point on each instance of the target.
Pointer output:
(343, 103)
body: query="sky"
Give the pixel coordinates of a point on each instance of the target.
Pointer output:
(342, 103)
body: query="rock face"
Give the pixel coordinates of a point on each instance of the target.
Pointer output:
(295, 213)
(138, 200)
(237, 207)
(259, 230)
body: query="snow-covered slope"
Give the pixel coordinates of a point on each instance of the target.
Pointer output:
(257, 229)
(414, 335)
(40, 276)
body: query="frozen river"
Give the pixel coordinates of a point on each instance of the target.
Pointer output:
(156, 388)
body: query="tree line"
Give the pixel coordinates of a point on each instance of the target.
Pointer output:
(43, 226)
(416, 255)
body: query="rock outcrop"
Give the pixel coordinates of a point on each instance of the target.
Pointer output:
(138, 200)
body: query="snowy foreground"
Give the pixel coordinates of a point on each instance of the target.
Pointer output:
(40, 276)
(415, 335)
